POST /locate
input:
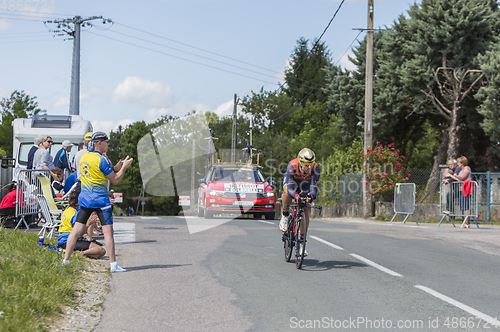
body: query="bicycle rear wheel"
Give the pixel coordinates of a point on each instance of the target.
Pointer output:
(299, 256)
(288, 239)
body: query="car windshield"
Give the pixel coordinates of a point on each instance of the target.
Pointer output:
(237, 174)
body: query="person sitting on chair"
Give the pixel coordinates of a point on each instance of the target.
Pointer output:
(85, 247)
(8, 206)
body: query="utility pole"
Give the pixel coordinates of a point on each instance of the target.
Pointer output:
(72, 27)
(367, 197)
(233, 142)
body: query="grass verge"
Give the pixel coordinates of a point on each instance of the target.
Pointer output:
(34, 285)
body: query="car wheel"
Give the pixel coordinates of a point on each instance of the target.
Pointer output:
(269, 216)
(257, 216)
(208, 215)
(200, 211)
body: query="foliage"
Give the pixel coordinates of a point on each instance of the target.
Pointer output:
(33, 283)
(304, 76)
(384, 168)
(19, 105)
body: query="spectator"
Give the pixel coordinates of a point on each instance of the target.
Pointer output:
(58, 183)
(81, 145)
(8, 205)
(79, 154)
(42, 158)
(32, 151)
(465, 175)
(62, 159)
(68, 218)
(447, 179)
(70, 181)
(94, 196)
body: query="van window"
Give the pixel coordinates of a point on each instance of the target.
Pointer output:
(24, 149)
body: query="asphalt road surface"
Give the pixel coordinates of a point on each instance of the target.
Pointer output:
(360, 275)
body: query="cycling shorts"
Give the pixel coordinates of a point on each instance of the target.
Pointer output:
(105, 215)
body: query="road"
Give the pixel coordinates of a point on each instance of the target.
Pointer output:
(359, 275)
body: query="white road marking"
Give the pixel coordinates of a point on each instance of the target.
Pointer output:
(377, 266)
(326, 242)
(266, 222)
(124, 232)
(472, 311)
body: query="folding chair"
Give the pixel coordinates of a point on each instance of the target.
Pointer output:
(47, 192)
(50, 223)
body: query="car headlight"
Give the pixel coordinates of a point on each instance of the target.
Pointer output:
(269, 194)
(216, 193)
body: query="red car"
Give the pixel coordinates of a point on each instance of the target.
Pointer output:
(236, 189)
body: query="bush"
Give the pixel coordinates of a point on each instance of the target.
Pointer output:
(384, 168)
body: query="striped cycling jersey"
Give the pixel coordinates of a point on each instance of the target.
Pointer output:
(293, 176)
(68, 219)
(93, 170)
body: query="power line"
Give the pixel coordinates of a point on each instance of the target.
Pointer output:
(200, 56)
(177, 57)
(197, 48)
(315, 45)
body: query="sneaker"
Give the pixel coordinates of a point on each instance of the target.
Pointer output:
(118, 268)
(284, 223)
(302, 248)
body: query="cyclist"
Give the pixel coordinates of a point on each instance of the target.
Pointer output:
(300, 180)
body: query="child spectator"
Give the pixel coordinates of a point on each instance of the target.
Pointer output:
(68, 218)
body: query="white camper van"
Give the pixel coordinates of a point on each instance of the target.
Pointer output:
(59, 127)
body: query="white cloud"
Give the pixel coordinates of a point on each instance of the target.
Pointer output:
(88, 91)
(225, 109)
(177, 110)
(138, 90)
(107, 126)
(62, 102)
(346, 63)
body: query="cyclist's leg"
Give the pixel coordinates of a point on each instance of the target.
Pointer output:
(304, 187)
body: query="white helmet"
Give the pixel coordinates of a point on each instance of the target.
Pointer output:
(306, 156)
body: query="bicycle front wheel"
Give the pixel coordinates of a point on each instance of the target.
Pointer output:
(299, 241)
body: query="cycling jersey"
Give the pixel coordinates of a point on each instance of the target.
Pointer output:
(67, 222)
(297, 181)
(93, 169)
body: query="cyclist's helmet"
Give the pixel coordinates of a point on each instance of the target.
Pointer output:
(306, 156)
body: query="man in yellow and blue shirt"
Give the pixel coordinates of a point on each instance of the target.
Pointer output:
(95, 171)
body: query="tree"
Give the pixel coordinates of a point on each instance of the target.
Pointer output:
(304, 77)
(446, 38)
(19, 105)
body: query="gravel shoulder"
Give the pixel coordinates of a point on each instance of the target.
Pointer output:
(86, 311)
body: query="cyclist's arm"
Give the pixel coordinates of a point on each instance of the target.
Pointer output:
(314, 181)
(290, 182)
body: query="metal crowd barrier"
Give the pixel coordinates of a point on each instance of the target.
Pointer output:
(452, 202)
(404, 201)
(28, 187)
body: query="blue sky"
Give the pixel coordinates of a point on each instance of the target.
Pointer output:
(158, 57)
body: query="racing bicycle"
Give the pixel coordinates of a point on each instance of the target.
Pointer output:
(291, 237)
